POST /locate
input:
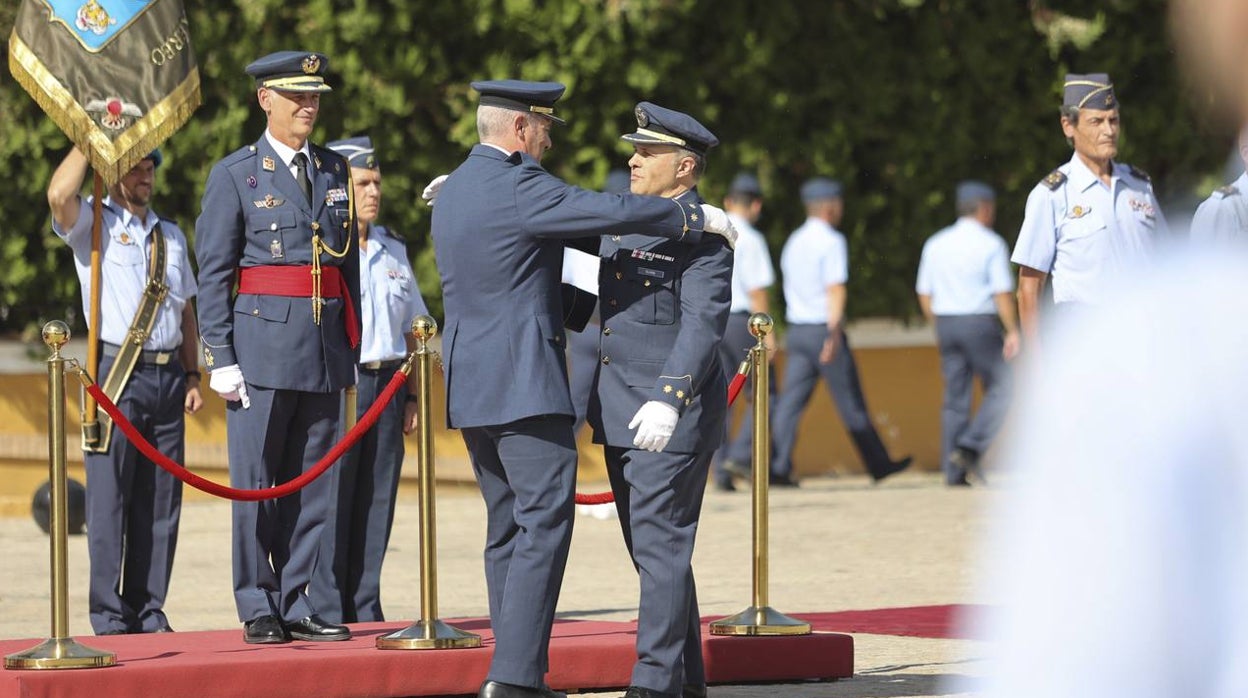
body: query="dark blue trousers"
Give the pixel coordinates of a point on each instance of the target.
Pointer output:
(801, 372)
(133, 506)
(659, 499)
(276, 542)
(526, 471)
(970, 346)
(346, 585)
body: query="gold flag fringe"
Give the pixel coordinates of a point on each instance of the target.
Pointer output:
(111, 158)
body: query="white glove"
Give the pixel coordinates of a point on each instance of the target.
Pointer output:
(716, 221)
(431, 190)
(229, 384)
(654, 422)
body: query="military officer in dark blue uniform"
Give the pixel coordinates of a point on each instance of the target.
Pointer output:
(661, 396)
(277, 216)
(499, 229)
(346, 587)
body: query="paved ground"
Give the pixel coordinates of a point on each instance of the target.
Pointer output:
(836, 544)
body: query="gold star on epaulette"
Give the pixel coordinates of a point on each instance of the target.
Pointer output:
(680, 394)
(1228, 190)
(693, 217)
(1054, 180)
(667, 388)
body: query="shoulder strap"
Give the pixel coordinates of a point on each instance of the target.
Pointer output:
(140, 328)
(1054, 180)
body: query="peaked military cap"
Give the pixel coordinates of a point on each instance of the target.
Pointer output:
(521, 95)
(1091, 91)
(820, 189)
(745, 183)
(291, 71)
(358, 151)
(661, 126)
(971, 191)
(618, 182)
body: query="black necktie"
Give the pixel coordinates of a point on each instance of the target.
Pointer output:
(301, 174)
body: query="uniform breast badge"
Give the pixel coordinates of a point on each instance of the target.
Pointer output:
(251, 181)
(124, 238)
(269, 202)
(275, 249)
(1080, 211)
(268, 164)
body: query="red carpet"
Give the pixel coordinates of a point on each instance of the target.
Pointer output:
(583, 655)
(913, 621)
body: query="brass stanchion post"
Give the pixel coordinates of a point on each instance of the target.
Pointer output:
(59, 651)
(759, 618)
(351, 406)
(428, 633)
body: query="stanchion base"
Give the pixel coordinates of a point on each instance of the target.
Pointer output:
(60, 653)
(760, 621)
(428, 635)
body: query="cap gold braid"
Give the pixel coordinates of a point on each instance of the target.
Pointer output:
(662, 137)
(1101, 87)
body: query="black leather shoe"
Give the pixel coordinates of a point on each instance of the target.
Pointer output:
(693, 691)
(639, 692)
(781, 481)
(265, 630)
(892, 469)
(967, 460)
(494, 689)
(315, 629)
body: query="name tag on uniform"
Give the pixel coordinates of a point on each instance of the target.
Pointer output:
(334, 196)
(651, 256)
(655, 273)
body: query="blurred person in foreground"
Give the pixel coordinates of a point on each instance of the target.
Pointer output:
(964, 287)
(1119, 565)
(1090, 222)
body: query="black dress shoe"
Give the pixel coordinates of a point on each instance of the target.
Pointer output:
(265, 630)
(639, 692)
(495, 689)
(781, 481)
(737, 469)
(315, 629)
(892, 469)
(690, 690)
(967, 460)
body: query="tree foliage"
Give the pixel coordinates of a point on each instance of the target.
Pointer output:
(900, 99)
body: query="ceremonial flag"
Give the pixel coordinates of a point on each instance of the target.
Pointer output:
(118, 76)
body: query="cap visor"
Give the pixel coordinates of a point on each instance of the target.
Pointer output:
(303, 87)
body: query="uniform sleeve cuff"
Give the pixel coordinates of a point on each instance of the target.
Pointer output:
(674, 391)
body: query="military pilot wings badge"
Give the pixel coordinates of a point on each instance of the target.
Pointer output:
(117, 76)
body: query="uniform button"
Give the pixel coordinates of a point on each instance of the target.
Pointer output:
(272, 226)
(606, 360)
(615, 238)
(255, 311)
(619, 275)
(612, 303)
(647, 283)
(606, 331)
(558, 340)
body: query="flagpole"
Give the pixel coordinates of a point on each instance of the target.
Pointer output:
(90, 422)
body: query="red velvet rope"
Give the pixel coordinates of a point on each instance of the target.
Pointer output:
(200, 483)
(734, 389)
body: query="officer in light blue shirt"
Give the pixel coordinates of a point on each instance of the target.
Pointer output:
(1223, 217)
(1090, 222)
(133, 507)
(965, 288)
(815, 267)
(752, 276)
(346, 583)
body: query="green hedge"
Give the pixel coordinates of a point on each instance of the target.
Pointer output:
(900, 99)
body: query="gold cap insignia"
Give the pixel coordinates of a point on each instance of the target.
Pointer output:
(311, 64)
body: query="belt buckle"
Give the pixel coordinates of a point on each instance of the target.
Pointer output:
(371, 365)
(160, 358)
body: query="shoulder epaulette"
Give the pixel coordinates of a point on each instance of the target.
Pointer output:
(1141, 174)
(1054, 180)
(244, 153)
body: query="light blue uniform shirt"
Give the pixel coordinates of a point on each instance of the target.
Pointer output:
(389, 297)
(963, 267)
(124, 255)
(814, 257)
(751, 264)
(1223, 217)
(1087, 235)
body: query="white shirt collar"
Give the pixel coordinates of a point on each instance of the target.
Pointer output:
(285, 152)
(500, 149)
(127, 218)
